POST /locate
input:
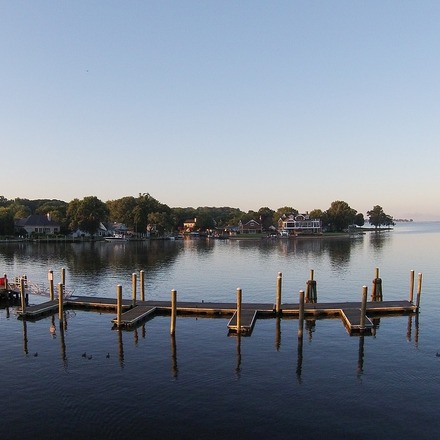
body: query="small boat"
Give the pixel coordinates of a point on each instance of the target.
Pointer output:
(116, 238)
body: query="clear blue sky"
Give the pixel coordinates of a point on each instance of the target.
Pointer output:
(223, 103)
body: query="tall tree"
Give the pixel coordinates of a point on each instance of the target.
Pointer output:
(339, 216)
(377, 217)
(87, 214)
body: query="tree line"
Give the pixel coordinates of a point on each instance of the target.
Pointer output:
(144, 211)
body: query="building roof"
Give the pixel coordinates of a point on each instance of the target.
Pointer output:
(39, 220)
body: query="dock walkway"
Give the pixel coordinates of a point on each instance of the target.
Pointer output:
(134, 314)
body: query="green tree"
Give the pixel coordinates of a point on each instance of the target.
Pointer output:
(339, 216)
(316, 214)
(377, 217)
(359, 219)
(87, 214)
(6, 221)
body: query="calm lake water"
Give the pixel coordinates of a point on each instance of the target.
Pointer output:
(94, 382)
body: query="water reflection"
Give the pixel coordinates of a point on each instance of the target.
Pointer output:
(174, 367)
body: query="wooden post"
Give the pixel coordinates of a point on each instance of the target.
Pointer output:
(142, 284)
(411, 286)
(419, 290)
(133, 288)
(363, 308)
(50, 278)
(376, 291)
(60, 302)
(238, 311)
(173, 312)
(278, 301)
(301, 314)
(22, 296)
(118, 304)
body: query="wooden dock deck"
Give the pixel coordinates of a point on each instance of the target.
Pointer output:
(133, 315)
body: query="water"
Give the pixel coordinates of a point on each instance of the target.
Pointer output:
(89, 380)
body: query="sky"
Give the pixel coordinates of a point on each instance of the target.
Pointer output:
(245, 104)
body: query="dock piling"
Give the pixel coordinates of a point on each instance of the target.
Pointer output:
(133, 288)
(173, 312)
(363, 308)
(301, 314)
(142, 284)
(239, 298)
(50, 278)
(411, 286)
(278, 300)
(118, 305)
(60, 302)
(376, 291)
(22, 296)
(419, 290)
(311, 295)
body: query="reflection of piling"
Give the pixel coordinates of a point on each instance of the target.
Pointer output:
(173, 312)
(60, 302)
(376, 291)
(63, 276)
(419, 290)
(278, 300)
(120, 348)
(363, 309)
(118, 305)
(174, 355)
(361, 355)
(409, 328)
(25, 339)
(277, 333)
(50, 278)
(238, 366)
(411, 286)
(238, 311)
(133, 288)
(311, 294)
(301, 314)
(142, 284)
(63, 344)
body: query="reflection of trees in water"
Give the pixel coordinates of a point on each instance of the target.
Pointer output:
(95, 258)
(300, 246)
(339, 250)
(378, 240)
(199, 245)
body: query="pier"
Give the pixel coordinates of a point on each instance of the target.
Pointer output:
(357, 316)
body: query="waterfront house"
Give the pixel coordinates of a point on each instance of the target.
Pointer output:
(38, 224)
(300, 224)
(189, 225)
(251, 227)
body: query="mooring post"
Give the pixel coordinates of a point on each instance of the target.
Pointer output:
(238, 311)
(22, 296)
(142, 284)
(118, 305)
(363, 308)
(60, 302)
(301, 314)
(173, 312)
(376, 291)
(278, 301)
(411, 286)
(50, 278)
(133, 288)
(311, 295)
(419, 290)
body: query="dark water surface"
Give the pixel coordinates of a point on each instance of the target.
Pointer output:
(90, 381)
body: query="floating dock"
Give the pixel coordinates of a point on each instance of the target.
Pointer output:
(134, 314)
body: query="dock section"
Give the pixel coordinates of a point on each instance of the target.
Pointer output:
(133, 315)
